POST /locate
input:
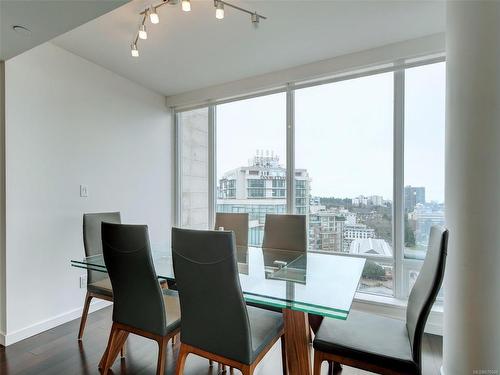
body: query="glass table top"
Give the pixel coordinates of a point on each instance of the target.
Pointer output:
(312, 282)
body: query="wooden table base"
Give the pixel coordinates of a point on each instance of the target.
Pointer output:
(297, 338)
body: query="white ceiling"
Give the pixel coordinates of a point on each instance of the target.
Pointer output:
(45, 19)
(187, 51)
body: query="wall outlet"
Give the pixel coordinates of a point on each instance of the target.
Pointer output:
(83, 281)
(84, 191)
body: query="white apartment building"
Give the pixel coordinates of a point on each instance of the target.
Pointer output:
(259, 189)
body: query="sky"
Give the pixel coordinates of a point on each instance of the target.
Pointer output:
(344, 133)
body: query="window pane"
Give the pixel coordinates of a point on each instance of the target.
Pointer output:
(344, 157)
(424, 160)
(194, 165)
(251, 158)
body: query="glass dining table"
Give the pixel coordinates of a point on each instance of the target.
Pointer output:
(299, 283)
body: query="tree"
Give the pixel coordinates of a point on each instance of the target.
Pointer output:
(373, 270)
(409, 234)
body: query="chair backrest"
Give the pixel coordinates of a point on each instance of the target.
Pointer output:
(214, 314)
(137, 297)
(287, 232)
(92, 241)
(426, 288)
(236, 222)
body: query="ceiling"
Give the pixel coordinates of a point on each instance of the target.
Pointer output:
(45, 19)
(188, 51)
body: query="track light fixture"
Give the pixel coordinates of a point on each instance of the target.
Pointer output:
(186, 5)
(219, 9)
(134, 51)
(154, 18)
(143, 34)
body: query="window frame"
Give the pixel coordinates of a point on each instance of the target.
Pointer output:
(401, 266)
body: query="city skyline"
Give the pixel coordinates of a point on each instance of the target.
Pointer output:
(344, 133)
(268, 153)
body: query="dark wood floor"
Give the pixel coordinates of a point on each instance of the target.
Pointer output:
(57, 351)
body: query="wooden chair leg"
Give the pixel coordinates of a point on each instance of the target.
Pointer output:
(117, 339)
(221, 367)
(247, 370)
(85, 313)
(181, 360)
(104, 364)
(283, 356)
(318, 360)
(123, 351)
(162, 351)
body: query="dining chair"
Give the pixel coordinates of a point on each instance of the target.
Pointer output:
(237, 222)
(140, 306)
(289, 232)
(98, 283)
(384, 345)
(285, 232)
(216, 322)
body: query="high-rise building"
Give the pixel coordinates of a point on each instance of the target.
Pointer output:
(422, 218)
(413, 196)
(259, 189)
(326, 230)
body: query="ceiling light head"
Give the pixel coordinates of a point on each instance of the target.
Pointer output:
(143, 34)
(186, 5)
(153, 16)
(133, 50)
(219, 9)
(255, 18)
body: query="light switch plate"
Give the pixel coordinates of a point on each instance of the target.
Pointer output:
(84, 191)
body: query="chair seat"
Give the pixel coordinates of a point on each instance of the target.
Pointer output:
(265, 325)
(172, 309)
(368, 338)
(101, 287)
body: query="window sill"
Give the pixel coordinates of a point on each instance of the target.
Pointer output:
(396, 308)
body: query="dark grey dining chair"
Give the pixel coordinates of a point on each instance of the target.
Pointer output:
(289, 232)
(140, 306)
(237, 222)
(98, 283)
(285, 232)
(384, 345)
(216, 323)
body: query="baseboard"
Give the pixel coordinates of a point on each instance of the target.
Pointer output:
(35, 329)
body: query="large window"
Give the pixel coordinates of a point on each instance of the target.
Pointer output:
(423, 162)
(366, 191)
(251, 154)
(344, 144)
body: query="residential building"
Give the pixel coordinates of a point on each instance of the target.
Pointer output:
(259, 189)
(413, 196)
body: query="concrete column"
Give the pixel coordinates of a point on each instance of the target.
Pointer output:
(472, 283)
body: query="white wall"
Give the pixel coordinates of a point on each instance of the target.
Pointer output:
(2, 202)
(71, 122)
(336, 66)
